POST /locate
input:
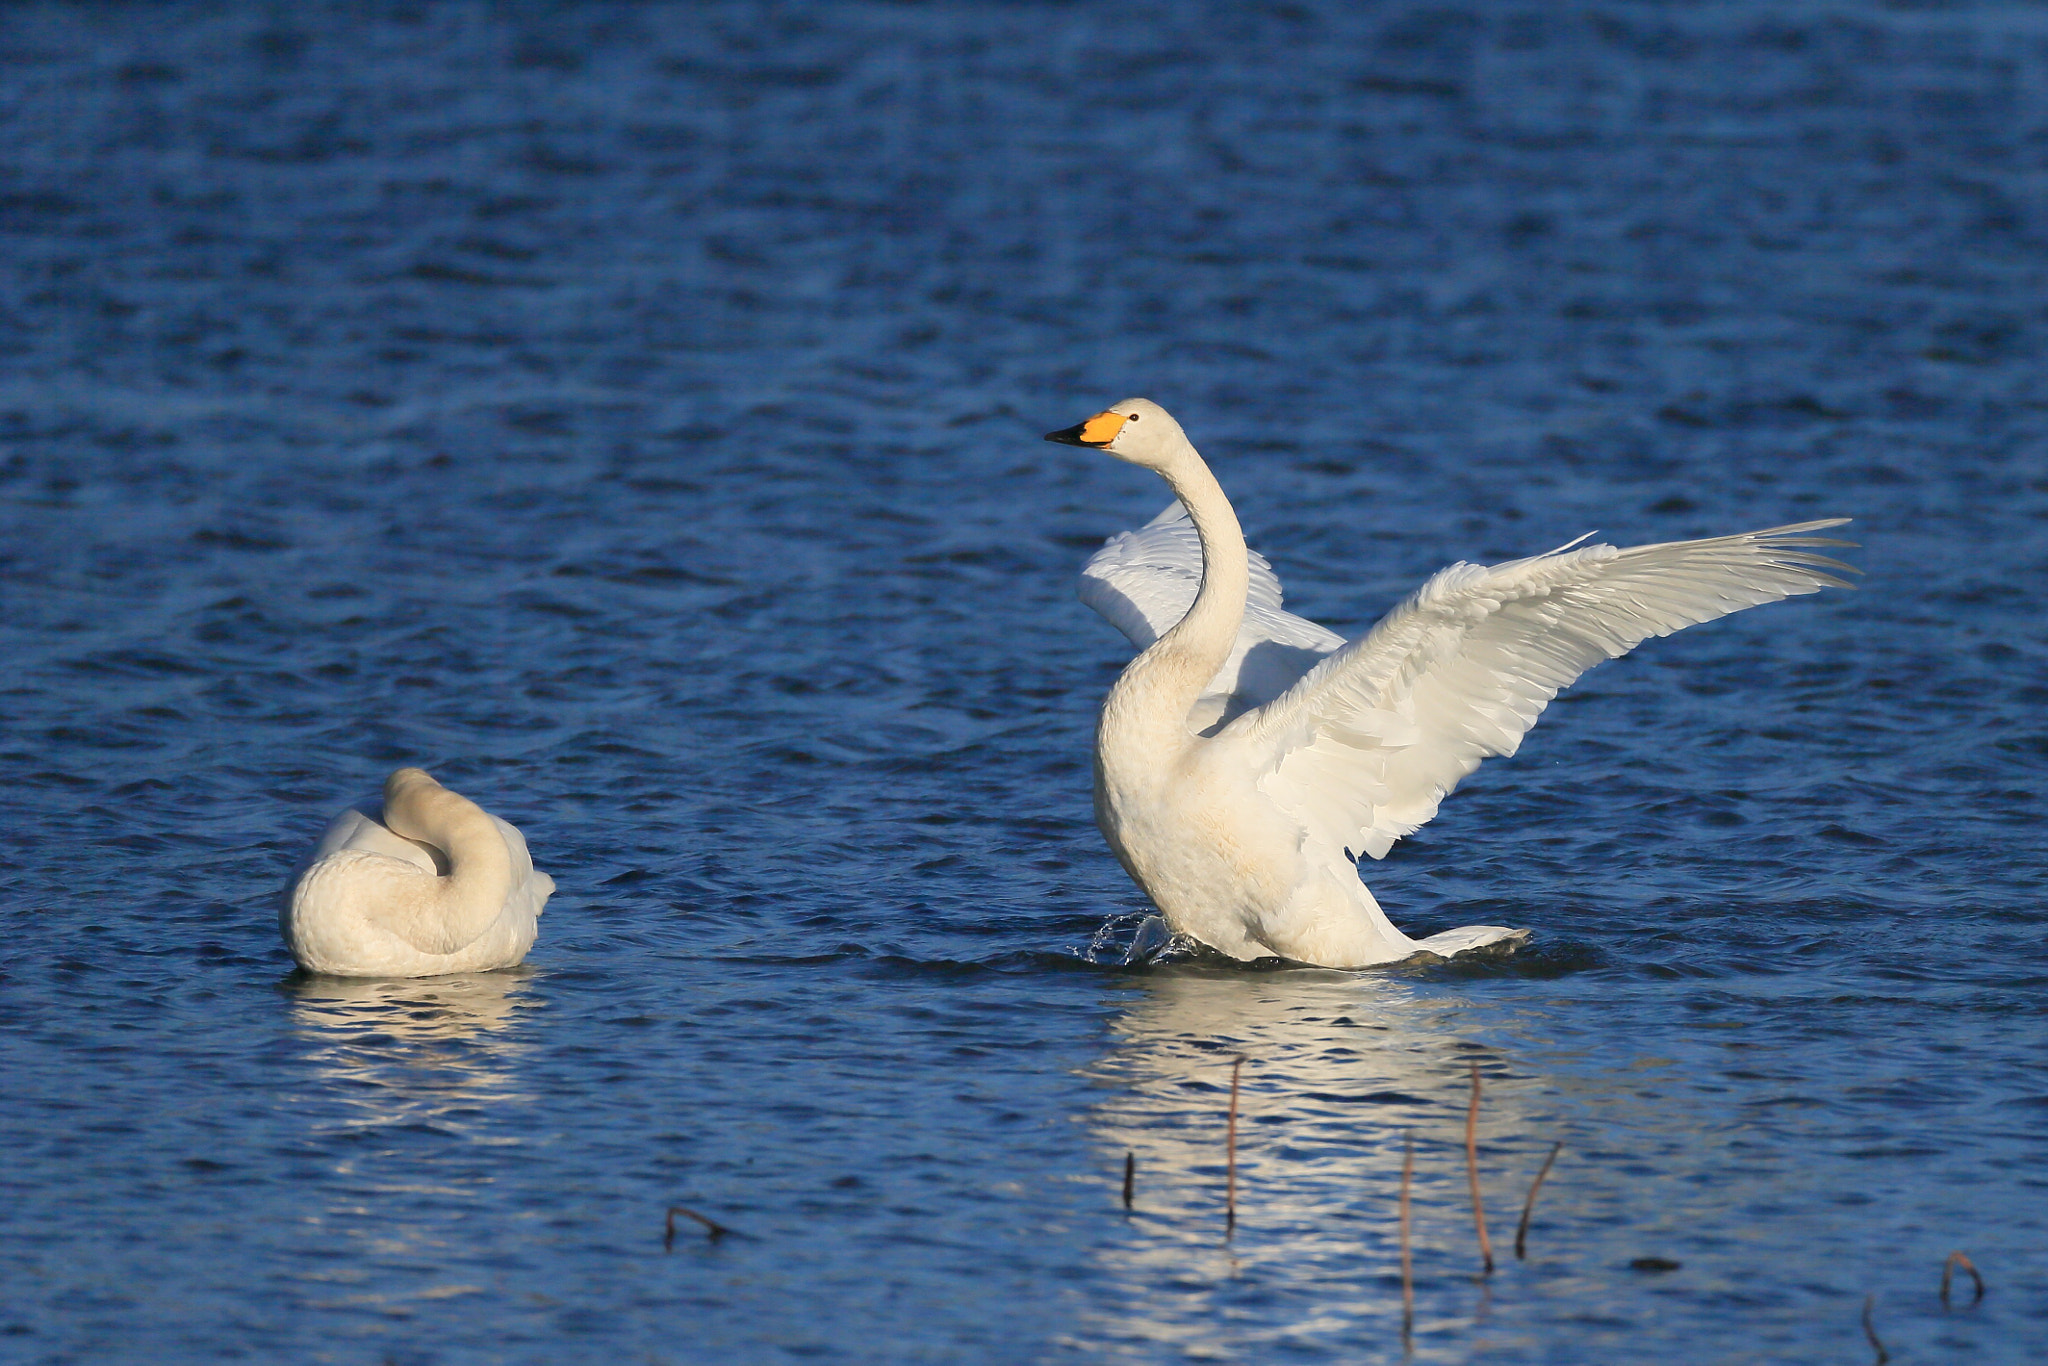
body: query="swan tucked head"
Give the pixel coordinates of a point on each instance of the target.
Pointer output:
(1137, 430)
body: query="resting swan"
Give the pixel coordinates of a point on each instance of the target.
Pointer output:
(441, 886)
(1247, 755)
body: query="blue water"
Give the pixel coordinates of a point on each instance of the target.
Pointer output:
(631, 413)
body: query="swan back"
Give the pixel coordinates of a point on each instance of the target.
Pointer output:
(439, 885)
(353, 830)
(530, 886)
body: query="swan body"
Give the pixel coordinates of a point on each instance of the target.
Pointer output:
(440, 886)
(1247, 756)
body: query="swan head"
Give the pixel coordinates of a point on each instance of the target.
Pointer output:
(1137, 430)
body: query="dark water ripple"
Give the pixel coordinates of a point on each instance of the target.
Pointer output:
(630, 412)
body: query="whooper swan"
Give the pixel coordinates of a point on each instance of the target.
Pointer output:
(441, 886)
(1247, 755)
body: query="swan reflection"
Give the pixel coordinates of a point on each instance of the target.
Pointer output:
(418, 1009)
(409, 1049)
(414, 1051)
(414, 1085)
(1340, 1068)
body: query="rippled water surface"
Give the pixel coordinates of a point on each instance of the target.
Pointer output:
(631, 413)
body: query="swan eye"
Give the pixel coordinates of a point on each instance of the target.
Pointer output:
(1134, 417)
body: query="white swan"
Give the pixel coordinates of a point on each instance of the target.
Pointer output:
(1246, 755)
(441, 886)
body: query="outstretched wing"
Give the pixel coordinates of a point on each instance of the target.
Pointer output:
(1143, 583)
(1364, 747)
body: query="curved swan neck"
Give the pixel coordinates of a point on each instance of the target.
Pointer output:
(1210, 627)
(479, 864)
(1171, 674)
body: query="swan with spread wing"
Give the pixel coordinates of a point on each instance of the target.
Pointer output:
(1246, 756)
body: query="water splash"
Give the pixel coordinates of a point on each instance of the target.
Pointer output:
(1136, 939)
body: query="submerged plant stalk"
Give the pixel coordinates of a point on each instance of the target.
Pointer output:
(1407, 1266)
(1870, 1332)
(1230, 1156)
(1529, 1205)
(1948, 1269)
(713, 1230)
(1472, 1170)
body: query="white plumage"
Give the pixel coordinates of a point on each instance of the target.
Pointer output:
(1144, 581)
(1248, 754)
(441, 886)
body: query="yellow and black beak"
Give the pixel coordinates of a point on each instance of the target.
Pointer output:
(1098, 431)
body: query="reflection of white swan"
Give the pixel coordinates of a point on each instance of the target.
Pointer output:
(1340, 1064)
(1246, 753)
(442, 886)
(446, 1009)
(401, 1058)
(1340, 1069)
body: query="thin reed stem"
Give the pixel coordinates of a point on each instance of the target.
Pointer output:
(1407, 1266)
(1230, 1156)
(1868, 1331)
(1948, 1268)
(1529, 1205)
(1130, 1177)
(713, 1230)
(1472, 1171)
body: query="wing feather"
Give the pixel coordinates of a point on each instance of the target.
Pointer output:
(1368, 743)
(1144, 581)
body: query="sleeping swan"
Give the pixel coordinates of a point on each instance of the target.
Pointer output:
(441, 886)
(1247, 756)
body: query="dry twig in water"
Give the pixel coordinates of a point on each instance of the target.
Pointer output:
(1230, 1157)
(1529, 1205)
(1407, 1268)
(1882, 1355)
(1472, 1170)
(713, 1230)
(1130, 1173)
(1948, 1268)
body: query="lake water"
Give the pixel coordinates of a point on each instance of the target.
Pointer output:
(631, 413)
